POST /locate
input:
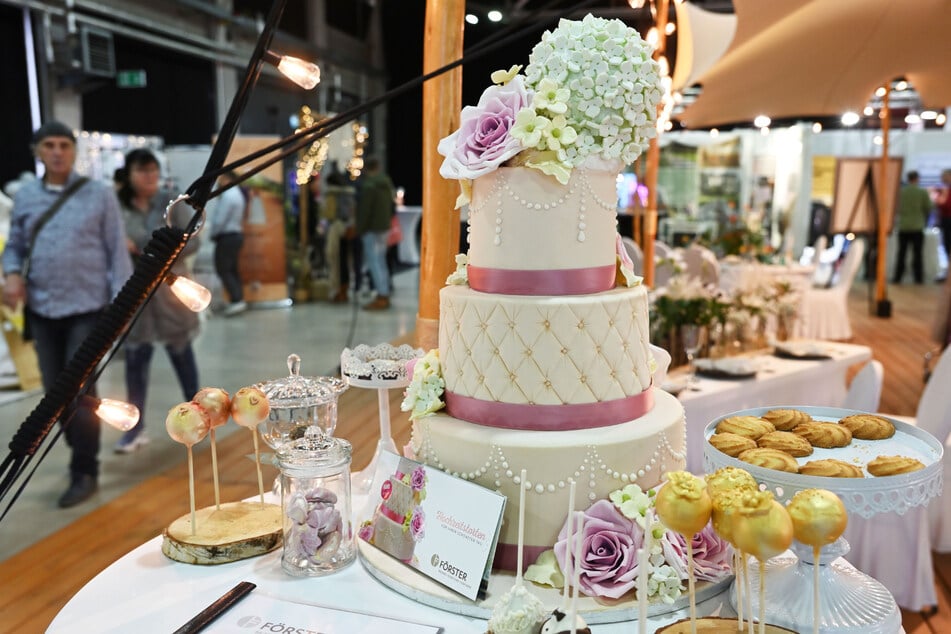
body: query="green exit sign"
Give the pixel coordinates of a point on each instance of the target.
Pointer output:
(130, 79)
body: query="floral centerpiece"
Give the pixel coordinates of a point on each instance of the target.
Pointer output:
(612, 531)
(589, 94)
(424, 394)
(683, 301)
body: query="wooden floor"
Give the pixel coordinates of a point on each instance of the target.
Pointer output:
(38, 581)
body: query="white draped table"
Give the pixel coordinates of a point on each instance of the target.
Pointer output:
(778, 382)
(146, 592)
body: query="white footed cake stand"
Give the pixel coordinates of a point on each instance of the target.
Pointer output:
(850, 601)
(383, 368)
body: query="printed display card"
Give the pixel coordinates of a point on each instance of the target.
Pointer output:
(258, 613)
(444, 527)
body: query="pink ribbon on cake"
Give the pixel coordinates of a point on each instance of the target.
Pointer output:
(549, 417)
(391, 514)
(506, 556)
(583, 281)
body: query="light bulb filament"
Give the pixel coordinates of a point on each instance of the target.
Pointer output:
(119, 414)
(195, 296)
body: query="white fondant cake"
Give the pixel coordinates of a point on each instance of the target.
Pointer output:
(544, 350)
(568, 226)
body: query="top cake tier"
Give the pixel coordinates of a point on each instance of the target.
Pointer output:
(530, 235)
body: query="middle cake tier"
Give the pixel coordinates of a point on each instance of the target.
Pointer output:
(545, 363)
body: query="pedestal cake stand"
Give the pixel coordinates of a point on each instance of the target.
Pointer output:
(850, 600)
(383, 368)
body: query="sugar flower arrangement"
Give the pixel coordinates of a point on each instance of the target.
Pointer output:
(424, 394)
(590, 92)
(415, 519)
(612, 532)
(315, 526)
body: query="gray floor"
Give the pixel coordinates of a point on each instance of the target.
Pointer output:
(232, 352)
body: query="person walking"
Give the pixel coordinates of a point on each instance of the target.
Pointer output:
(339, 201)
(225, 228)
(65, 289)
(165, 319)
(944, 211)
(374, 214)
(914, 205)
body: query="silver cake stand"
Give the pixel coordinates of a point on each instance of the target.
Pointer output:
(850, 601)
(383, 368)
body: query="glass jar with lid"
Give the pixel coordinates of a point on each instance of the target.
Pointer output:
(316, 504)
(298, 402)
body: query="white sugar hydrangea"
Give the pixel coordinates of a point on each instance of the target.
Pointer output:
(423, 396)
(599, 75)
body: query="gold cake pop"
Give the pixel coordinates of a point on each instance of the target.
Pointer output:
(818, 517)
(725, 505)
(683, 504)
(728, 479)
(761, 525)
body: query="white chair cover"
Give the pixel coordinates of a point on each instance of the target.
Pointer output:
(811, 255)
(635, 253)
(896, 549)
(666, 263)
(865, 392)
(825, 311)
(701, 263)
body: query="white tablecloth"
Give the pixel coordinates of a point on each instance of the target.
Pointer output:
(146, 592)
(778, 382)
(742, 274)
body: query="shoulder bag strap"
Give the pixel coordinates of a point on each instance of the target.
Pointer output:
(47, 215)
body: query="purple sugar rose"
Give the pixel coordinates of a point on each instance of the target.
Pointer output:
(482, 142)
(418, 479)
(712, 555)
(366, 532)
(416, 524)
(309, 542)
(608, 553)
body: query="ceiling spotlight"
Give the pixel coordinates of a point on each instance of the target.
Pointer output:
(714, 132)
(850, 118)
(636, 4)
(816, 127)
(670, 28)
(762, 121)
(869, 110)
(940, 119)
(877, 139)
(912, 118)
(929, 115)
(494, 16)
(880, 91)
(472, 18)
(901, 85)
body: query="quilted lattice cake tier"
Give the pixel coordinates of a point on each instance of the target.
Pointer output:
(545, 351)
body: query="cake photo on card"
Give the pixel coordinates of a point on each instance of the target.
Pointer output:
(399, 520)
(543, 359)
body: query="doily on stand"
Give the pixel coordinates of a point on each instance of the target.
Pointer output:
(851, 600)
(381, 367)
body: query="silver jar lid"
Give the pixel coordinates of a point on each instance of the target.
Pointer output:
(301, 391)
(315, 454)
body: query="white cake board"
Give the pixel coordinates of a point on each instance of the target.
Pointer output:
(420, 588)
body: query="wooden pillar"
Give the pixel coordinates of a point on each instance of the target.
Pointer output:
(649, 233)
(442, 101)
(883, 308)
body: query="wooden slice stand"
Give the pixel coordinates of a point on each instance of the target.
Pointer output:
(237, 531)
(717, 625)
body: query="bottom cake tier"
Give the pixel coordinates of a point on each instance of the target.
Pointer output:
(600, 460)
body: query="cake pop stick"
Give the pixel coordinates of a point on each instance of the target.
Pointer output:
(248, 408)
(568, 546)
(643, 566)
(188, 424)
(725, 501)
(576, 580)
(819, 518)
(217, 404)
(521, 527)
(763, 528)
(684, 505)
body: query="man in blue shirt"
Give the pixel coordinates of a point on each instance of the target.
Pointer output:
(77, 265)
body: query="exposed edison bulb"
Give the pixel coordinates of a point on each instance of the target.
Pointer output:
(195, 296)
(850, 118)
(119, 414)
(304, 74)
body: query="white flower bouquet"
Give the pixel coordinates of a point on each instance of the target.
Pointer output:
(589, 94)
